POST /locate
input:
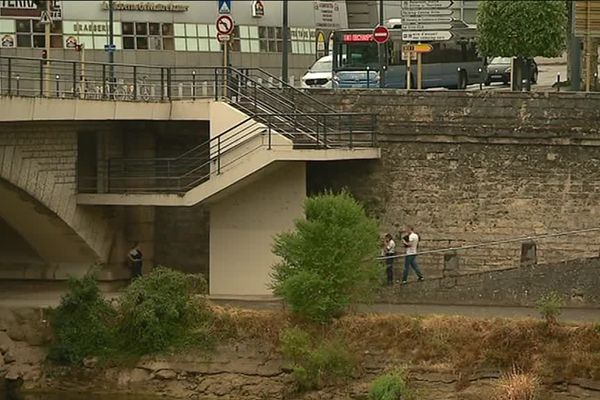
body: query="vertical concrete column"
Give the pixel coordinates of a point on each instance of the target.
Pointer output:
(528, 253)
(451, 265)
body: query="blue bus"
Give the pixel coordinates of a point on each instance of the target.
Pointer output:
(453, 63)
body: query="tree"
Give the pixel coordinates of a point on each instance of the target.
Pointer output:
(328, 262)
(522, 28)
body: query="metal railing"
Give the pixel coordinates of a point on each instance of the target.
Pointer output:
(212, 157)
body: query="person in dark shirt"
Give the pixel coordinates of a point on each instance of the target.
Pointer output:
(136, 261)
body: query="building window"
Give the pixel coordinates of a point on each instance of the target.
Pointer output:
(91, 34)
(303, 41)
(7, 33)
(196, 37)
(30, 33)
(147, 36)
(249, 39)
(270, 39)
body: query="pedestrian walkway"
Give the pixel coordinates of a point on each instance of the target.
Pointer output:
(34, 297)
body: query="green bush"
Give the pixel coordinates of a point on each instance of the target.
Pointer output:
(391, 386)
(549, 306)
(83, 323)
(314, 365)
(160, 311)
(328, 262)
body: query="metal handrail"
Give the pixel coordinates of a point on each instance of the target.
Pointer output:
(495, 243)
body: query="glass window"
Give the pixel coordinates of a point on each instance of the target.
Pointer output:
(127, 28)
(128, 42)
(117, 28)
(190, 30)
(38, 27)
(203, 30)
(180, 44)
(203, 44)
(23, 40)
(167, 29)
(87, 41)
(39, 41)
(154, 43)
(179, 29)
(99, 42)
(168, 44)
(141, 28)
(141, 42)
(214, 45)
(192, 44)
(244, 33)
(7, 26)
(24, 26)
(154, 29)
(253, 32)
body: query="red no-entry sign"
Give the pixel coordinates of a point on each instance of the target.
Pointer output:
(381, 34)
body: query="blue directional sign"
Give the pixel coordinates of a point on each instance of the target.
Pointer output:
(224, 6)
(110, 47)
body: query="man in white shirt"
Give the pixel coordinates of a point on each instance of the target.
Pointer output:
(389, 250)
(411, 241)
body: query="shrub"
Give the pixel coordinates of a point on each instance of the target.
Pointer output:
(549, 306)
(160, 311)
(391, 386)
(328, 262)
(517, 386)
(83, 323)
(314, 365)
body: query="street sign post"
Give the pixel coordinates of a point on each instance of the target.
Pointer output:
(426, 36)
(225, 25)
(381, 34)
(223, 38)
(424, 21)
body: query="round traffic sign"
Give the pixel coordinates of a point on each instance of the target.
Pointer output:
(381, 34)
(225, 24)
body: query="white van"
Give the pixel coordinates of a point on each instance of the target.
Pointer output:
(319, 75)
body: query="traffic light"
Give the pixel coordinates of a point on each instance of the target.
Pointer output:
(45, 56)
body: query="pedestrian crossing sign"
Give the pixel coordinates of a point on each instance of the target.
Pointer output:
(224, 6)
(45, 18)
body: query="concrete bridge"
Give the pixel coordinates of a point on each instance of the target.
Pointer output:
(213, 175)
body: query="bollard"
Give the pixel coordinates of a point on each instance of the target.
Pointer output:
(205, 89)
(18, 77)
(528, 253)
(180, 90)
(368, 77)
(558, 81)
(451, 265)
(57, 85)
(194, 85)
(480, 79)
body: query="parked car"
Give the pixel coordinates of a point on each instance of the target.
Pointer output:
(319, 74)
(499, 69)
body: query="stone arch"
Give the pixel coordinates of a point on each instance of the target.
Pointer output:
(55, 249)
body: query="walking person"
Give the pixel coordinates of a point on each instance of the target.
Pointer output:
(411, 241)
(135, 260)
(389, 251)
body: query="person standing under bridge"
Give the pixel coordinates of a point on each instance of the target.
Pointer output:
(411, 241)
(389, 251)
(136, 260)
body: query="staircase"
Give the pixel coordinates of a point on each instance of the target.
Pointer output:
(277, 122)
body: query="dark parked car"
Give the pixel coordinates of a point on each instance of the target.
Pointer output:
(499, 68)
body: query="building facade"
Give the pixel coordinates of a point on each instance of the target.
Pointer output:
(181, 33)
(365, 13)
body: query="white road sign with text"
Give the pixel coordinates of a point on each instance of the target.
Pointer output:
(426, 35)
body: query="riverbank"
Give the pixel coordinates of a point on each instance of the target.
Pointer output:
(446, 358)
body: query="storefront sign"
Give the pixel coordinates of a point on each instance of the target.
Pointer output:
(90, 28)
(258, 8)
(7, 41)
(327, 14)
(28, 9)
(146, 6)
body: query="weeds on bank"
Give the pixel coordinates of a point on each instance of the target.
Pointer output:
(157, 313)
(315, 363)
(517, 386)
(391, 386)
(549, 306)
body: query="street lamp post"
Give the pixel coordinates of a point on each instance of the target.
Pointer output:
(380, 48)
(286, 48)
(111, 41)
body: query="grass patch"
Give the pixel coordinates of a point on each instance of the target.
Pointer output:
(391, 386)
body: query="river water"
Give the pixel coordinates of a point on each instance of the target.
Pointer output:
(71, 396)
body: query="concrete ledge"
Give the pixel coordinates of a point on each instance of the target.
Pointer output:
(577, 281)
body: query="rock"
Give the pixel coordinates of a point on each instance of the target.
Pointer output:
(9, 357)
(14, 372)
(135, 375)
(1, 361)
(90, 362)
(166, 374)
(6, 343)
